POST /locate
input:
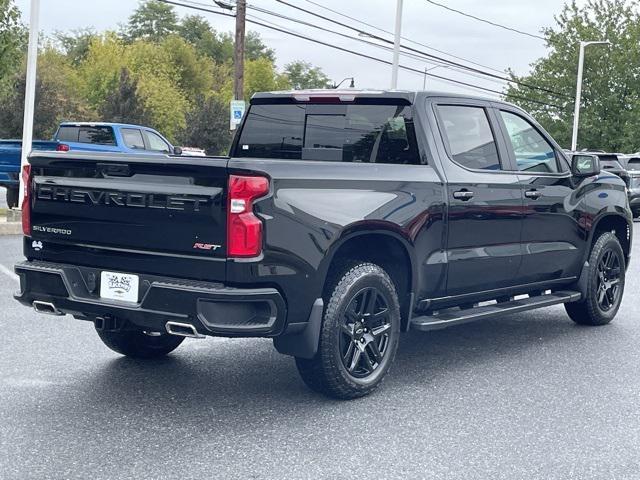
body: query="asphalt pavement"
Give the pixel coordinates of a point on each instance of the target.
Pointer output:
(530, 396)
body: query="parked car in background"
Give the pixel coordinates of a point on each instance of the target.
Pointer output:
(10, 153)
(84, 137)
(113, 137)
(633, 169)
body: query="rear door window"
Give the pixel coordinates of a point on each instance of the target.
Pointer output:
(96, 135)
(468, 134)
(339, 133)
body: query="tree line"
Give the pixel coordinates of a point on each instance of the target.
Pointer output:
(610, 107)
(173, 74)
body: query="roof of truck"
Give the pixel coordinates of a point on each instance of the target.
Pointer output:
(348, 93)
(103, 124)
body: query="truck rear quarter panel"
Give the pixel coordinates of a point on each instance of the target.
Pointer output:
(314, 207)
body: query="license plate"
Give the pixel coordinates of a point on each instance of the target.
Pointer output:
(119, 286)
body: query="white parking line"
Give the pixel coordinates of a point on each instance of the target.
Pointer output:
(9, 273)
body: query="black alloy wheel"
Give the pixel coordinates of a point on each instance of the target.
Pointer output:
(608, 284)
(359, 333)
(364, 338)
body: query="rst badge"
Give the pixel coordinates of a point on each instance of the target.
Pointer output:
(206, 246)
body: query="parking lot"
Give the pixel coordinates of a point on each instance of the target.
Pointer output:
(527, 396)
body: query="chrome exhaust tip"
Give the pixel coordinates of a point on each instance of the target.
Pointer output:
(46, 308)
(182, 330)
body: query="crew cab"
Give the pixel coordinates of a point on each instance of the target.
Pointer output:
(112, 137)
(339, 220)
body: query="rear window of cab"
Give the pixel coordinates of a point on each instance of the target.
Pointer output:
(96, 135)
(356, 133)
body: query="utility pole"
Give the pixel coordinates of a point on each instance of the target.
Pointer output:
(576, 112)
(30, 89)
(396, 46)
(238, 54)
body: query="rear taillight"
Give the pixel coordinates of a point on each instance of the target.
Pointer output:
(26, 200)
(244, 229)
(62, 148)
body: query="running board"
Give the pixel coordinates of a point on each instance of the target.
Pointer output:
(457, 316)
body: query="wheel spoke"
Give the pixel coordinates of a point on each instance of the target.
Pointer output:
(355, 360)
(367, 361)
(381, 315)
(349, 353)
(371, 302)
(373, 346)
(348, 329)
(611, 297)
(601, 296)
(378, 331)
(362, 304)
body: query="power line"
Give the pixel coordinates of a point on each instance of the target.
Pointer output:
(351, 37)
(484, 20)
(353, 52)
(403, 38)
(466, 67)
(383, 47)
(419, 55)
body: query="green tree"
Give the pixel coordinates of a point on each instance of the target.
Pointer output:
(611, 88)
(76, 44)
(197, 31)
(255, 49)
(152, 20)
(304, 75)
(58, 98)
(123, 104)
(12, 40)
(208, 126)
(193, 72)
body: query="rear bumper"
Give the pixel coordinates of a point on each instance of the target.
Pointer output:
(212, 308)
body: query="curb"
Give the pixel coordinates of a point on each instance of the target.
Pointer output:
(10, 228)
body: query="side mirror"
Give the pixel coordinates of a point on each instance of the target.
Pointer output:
(177, 151)
(583, 165)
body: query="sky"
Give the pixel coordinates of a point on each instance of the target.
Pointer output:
(422, 22)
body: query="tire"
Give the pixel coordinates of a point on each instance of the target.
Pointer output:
(605, 283)
(12, 197)
(359, 334)
(138, 344)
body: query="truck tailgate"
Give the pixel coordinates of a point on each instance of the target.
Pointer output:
(170, 209)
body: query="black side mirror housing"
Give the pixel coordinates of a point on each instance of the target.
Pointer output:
(177, 151)
(584, 165)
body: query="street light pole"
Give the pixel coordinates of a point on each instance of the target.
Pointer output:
(30, 88)
(576, 112)
(396, 46)
(426, 70)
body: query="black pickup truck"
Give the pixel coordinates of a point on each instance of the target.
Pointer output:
(339, 220)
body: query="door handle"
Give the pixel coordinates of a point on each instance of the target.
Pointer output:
(532, 194)
(463, 195)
